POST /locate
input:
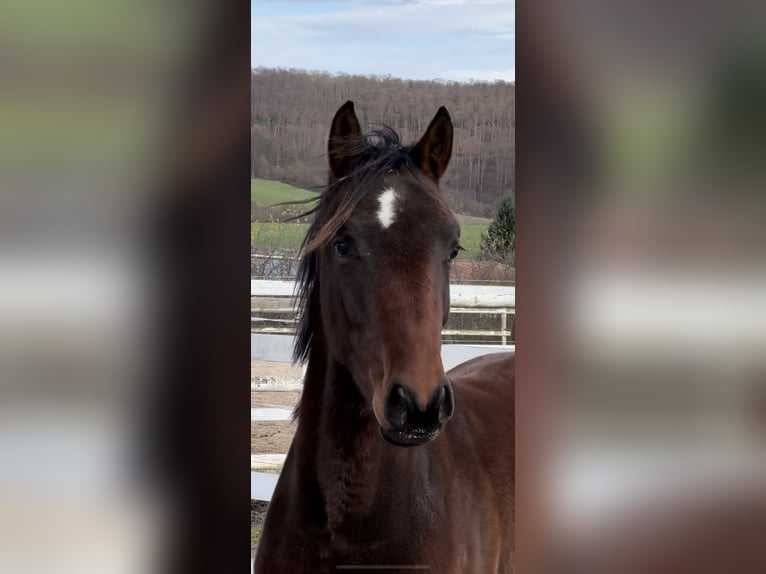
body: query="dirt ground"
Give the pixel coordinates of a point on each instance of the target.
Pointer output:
(274, 369)
(269, 398)
(270, 437)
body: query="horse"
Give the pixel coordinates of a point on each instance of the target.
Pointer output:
(395, 465)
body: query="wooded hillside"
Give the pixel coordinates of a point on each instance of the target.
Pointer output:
(292, 111)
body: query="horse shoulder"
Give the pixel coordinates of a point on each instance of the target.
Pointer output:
(484, 420)
(482, 445)
(492, 370)
(292, 539)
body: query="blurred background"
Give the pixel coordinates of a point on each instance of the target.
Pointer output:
(642, 219)
(114, 116)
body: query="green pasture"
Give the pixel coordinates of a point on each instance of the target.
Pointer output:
(266, 193)
(470, 237)
(271, 235)
(473, 220)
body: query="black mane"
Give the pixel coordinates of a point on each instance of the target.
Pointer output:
(374, 154)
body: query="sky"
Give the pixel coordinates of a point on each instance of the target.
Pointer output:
(457, 40)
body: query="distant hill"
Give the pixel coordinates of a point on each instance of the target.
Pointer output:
(291, 111)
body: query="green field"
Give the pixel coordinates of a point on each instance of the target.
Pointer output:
(266, 193)
(470, 237)
(473, 220)
(290, 235)
(278, 235)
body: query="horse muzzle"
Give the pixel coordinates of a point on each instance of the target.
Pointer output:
(408, 424)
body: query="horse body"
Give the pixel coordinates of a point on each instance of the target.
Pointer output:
(395, 464)
(348, 499)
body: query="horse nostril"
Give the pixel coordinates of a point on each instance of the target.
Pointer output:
(398, 404)
(446, 403)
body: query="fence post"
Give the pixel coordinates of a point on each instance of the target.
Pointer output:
(503, 324)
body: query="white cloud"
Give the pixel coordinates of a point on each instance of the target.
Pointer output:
(415, 39)
(466, 2)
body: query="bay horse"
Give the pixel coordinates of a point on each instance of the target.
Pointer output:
(395, 464)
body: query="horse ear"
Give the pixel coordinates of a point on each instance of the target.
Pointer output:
(344, 136)
(432, 153)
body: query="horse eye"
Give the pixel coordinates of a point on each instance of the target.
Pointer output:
(454, 252)
(342, 248)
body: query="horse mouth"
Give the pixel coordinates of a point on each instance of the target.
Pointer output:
(410, 437)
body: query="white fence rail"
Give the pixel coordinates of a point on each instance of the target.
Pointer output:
(267, 461)
(499, 300)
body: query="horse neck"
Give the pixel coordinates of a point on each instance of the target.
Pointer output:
(333, 411)
(339, 439)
